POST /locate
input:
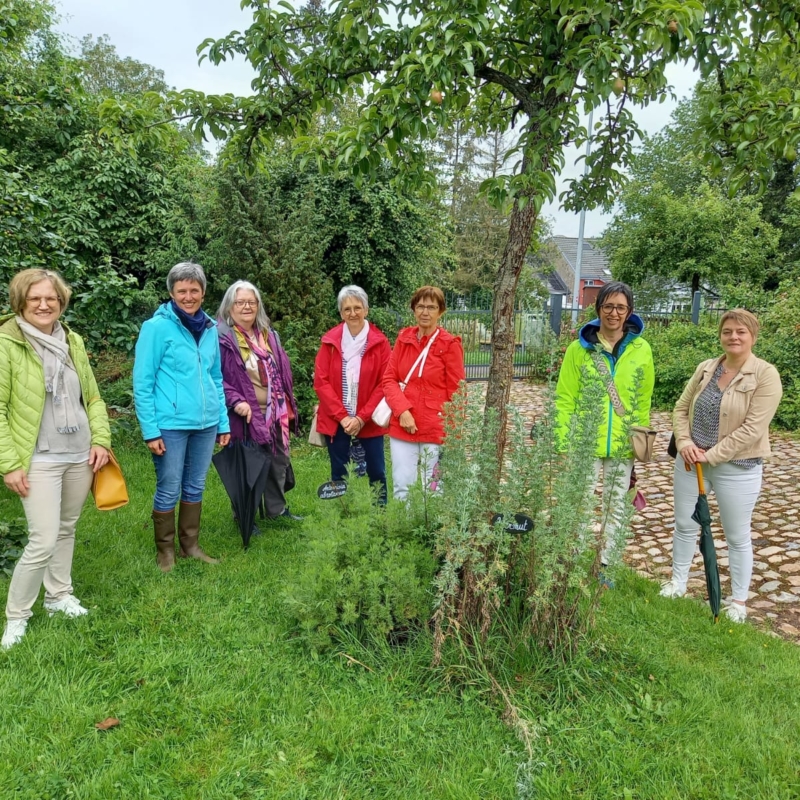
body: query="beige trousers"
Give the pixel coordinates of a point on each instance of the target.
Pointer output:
(54, 503)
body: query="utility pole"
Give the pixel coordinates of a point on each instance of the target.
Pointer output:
(576, 284)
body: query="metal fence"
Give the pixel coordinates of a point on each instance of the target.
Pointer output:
(536, 330)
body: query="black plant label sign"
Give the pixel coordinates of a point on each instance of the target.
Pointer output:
(521, 523)
(331, 490)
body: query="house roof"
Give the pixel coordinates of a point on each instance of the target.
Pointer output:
(553, 281)
(594, 263)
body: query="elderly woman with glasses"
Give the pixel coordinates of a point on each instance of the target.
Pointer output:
(610, 349)
(54, 435)
(347, 379)
(177, 387)
(416, 429)
(259, 388)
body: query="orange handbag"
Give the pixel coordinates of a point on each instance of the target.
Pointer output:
(108, 486)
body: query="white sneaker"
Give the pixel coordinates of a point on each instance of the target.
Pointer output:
(70, 606)
(15, 630)
(672, 589)
(736, 612)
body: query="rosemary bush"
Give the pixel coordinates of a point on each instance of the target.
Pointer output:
(367, 573)
(542, 583)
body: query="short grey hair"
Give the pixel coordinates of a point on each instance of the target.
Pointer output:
(186, 271)
(224, 313)
(352, 291)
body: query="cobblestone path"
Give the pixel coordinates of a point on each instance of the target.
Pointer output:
(774, 602)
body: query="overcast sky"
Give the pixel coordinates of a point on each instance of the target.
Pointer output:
(166, 34)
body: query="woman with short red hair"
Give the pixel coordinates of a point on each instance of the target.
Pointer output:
(423, 373)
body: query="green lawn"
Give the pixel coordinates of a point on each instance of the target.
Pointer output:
(217, 699)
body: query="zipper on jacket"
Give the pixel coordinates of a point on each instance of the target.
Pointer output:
(610, 409)
(200, 372)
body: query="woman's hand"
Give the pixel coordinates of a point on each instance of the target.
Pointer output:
(223, 439)
(157, 447)
(98, 458)
(17, 481)
(407, 422)
(692, 454)
(351, 425)
(243, 410)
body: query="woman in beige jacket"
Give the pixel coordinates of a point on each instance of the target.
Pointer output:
(722, 421)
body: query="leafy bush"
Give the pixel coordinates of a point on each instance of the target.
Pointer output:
(778, 344)
(677, 350)
(366, 571)
(108, 309)
(13, 538)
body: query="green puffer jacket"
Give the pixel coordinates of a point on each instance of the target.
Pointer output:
(22, 395)
(632, 357)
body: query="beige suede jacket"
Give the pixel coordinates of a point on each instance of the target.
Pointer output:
(748, 405)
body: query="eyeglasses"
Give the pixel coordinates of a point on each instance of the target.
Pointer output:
(244, 303)
(37, 301)
(420, 307)
(610, 309)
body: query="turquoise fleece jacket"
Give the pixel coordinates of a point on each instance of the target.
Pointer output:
(177, 383)
(631, 355)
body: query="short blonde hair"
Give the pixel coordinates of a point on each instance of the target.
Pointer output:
(429, 293)
(743, 317)
(21, 283)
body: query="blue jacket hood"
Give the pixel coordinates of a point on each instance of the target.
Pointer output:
(634, 327)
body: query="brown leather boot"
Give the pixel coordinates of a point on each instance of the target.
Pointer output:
(189, 533)
(164, 528)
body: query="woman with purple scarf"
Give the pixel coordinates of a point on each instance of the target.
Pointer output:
(258, 384)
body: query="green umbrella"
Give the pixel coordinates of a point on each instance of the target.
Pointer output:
(702, 516)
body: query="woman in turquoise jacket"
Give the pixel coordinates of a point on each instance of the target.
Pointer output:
(54, 435)
(180, 403)
(613, 339)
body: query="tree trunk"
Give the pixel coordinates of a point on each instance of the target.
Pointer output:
(695, 282)
(501, 369)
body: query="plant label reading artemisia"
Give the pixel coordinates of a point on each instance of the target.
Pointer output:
(331, 490)
(521, 523)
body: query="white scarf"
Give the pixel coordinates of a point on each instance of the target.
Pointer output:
(54, 352)
(352, 350)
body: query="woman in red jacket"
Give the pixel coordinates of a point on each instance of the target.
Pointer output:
(416, 430)
(347, 379)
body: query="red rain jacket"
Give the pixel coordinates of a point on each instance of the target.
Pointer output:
(424, 397)
(328, 381)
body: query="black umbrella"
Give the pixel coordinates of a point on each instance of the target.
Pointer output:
(702, 516)
(243, 467)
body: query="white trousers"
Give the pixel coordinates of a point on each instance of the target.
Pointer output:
(54, 503)
(409, 460)
(615, 474)
(737, 491)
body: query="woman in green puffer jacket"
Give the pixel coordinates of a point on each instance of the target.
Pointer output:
(54, 435)
(615, 340)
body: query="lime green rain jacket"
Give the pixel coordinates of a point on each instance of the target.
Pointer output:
(631, 354)
(22, 395)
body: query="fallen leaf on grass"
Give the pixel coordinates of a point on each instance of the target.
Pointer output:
(110, 722)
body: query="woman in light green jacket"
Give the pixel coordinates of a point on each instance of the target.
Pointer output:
(609, 347)
(54, 435)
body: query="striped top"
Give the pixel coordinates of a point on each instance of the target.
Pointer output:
(705, 424)
(350, 411)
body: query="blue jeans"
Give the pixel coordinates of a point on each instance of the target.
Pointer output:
(181, 471)
(339, 452)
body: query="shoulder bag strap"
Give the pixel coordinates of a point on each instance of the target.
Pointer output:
(421, 358)
(611, 388)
